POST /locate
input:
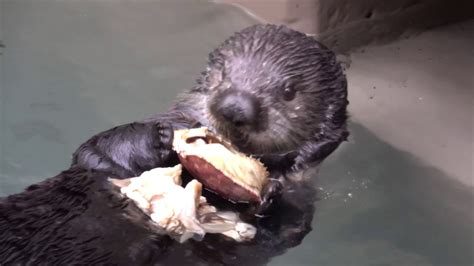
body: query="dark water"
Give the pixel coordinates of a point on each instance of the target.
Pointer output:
(72, 68)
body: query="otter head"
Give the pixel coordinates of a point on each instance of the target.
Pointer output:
(269, 88)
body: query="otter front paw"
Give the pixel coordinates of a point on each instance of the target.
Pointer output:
(163, 140)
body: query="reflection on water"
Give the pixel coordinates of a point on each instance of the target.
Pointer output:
(70, 69)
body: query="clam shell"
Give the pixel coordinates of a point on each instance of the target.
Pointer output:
(219, 166)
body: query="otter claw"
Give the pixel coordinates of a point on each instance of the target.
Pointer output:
(165, 135)
(272, 190)
(196, 125)
(163, 139)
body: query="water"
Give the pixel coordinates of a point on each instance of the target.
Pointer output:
(398, 212)
(71, 69)
(74, 68)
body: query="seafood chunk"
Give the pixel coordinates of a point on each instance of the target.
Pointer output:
(181, 212)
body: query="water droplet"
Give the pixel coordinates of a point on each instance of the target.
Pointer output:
(293, 115)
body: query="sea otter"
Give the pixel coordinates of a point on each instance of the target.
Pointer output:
(79, 218)
(276, 93)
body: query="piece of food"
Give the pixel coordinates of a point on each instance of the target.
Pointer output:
(181, 212)
(141, 189)
(159, 193)
(219, 166)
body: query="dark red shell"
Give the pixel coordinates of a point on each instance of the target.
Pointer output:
(213, 179)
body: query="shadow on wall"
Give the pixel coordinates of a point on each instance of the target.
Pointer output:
(345, 24)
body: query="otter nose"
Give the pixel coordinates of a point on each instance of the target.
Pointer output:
(239, 108)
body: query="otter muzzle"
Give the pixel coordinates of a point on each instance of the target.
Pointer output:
(238, 108)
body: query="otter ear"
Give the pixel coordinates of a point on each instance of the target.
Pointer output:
(214, 78)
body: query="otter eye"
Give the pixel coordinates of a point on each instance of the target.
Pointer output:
(289, 94)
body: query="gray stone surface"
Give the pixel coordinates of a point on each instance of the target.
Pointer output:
(347, 24)
(417, 94)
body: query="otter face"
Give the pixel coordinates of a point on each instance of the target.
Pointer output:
(271, 89)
